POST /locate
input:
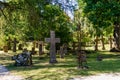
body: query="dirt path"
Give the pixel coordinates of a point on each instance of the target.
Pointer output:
(6, 75)
(104, 76)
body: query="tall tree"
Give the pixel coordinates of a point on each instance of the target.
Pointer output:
(105, 13)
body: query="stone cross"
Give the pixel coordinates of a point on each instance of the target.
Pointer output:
(52, 41)
(96, 43)
(9, 43)
(14, 44)
(110, 41)
(102, 41)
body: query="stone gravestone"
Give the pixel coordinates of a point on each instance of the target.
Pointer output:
(40, 44)
(14, 44)
(52, 41)
(33, 52)
(37, 44)
(5, 48)
(102, 41)
(65, 48)
(20, 47)
(9, 43)
(96, 43)
(110, 41)
(62, 52)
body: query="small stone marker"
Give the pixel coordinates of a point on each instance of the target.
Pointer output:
(62, 54)
(37, 44)
(5, 48)
(110, 41)
(20, 47)
(33, 52)
(14, 44)
(96, 43)
(65, 48)
(52, 41)
(102, 41)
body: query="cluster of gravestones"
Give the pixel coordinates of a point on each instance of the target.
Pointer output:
(25, 58)
(9, 45)
(102, 39)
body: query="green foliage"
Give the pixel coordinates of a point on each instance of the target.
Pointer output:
(35, 18)
(102, 13)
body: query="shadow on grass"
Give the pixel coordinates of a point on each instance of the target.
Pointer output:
(69, 66)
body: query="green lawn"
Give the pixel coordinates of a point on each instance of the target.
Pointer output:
(65, 68)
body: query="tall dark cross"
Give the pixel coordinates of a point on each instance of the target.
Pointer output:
(14, 44)
(103, 44)
(9, 43)
(110, 41)
(52, 41)
(40, 44)
(96, 43)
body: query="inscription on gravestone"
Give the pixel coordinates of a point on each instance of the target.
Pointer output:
(52, 40)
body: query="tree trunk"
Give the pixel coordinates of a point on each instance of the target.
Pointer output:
(116, 35)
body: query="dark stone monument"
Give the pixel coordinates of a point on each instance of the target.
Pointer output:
(110, 42)
(9, 43)
(33, 52)
(37, 44)
(52, 41)
(20, 47)
(14, 44)
(23, 59)
(82, 61)
(102, 41)
(96, 43)
(40, 43)
(5, 48)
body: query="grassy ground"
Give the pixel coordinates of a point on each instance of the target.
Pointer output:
(65, 68)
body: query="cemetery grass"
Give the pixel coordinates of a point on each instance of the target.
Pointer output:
(65, 68)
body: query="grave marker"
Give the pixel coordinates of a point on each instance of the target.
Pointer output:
(102, 41)
(96, 43)
(40, 44)
(9, 43)
(52, 41)
(62, 54)
(14, 44)
(110, 41)
(20, 47)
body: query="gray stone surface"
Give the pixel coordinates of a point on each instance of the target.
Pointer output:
(52, 40)
(6, 75)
